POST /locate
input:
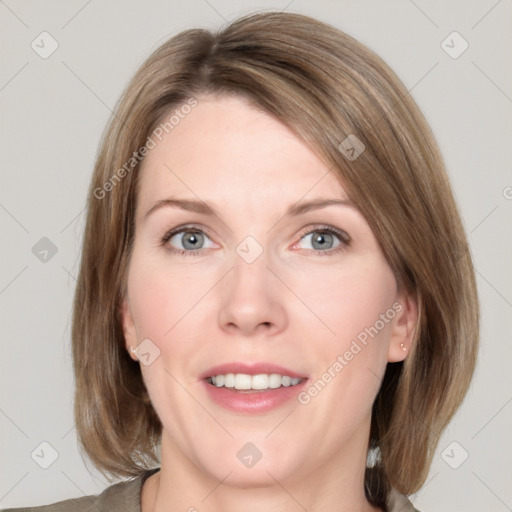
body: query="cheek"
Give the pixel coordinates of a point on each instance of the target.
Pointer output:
(164, 303)
(349, 301)
(161, 297)
(349, 364)
(356, 305)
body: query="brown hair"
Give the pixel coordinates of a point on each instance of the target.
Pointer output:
(325, 86)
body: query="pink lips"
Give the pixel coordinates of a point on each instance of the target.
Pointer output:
(251, 401)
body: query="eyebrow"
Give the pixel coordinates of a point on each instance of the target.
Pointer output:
(202, 207)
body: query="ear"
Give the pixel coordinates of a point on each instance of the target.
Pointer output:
(129, 330)
(403, 327)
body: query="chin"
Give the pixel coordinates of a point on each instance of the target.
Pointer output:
(257, 476)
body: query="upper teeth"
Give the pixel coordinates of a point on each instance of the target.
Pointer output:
(260, 381)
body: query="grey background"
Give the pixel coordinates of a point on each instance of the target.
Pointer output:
(54, 111)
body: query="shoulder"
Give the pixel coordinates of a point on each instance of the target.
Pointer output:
(123, 496)
(399, 503)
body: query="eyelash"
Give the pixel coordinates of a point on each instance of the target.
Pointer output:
(343, 237)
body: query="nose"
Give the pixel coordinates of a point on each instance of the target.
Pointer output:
(252, 300)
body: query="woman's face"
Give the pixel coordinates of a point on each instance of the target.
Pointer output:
(233, 276)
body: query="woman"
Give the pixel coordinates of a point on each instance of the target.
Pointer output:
(276, 307)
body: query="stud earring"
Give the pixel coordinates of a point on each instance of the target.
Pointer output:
(404, 348)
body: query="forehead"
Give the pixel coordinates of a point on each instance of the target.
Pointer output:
(228, 152)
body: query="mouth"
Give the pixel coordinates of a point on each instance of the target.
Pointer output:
(252, 388)
(248, 383)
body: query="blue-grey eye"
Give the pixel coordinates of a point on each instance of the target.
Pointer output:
(322, 240)
(189, 239)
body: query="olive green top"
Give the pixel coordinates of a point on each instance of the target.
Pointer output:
(125, 497)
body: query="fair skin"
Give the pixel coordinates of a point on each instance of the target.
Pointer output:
(300, 305)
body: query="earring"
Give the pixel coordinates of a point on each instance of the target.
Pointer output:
(132, 350)
(404, 348)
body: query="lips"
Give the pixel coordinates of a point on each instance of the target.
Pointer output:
(252, 388)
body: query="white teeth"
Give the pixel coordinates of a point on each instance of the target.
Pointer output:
(259, 382)
(242, 381)
(274, 380)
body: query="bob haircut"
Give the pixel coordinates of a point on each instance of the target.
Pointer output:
(325, 86)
